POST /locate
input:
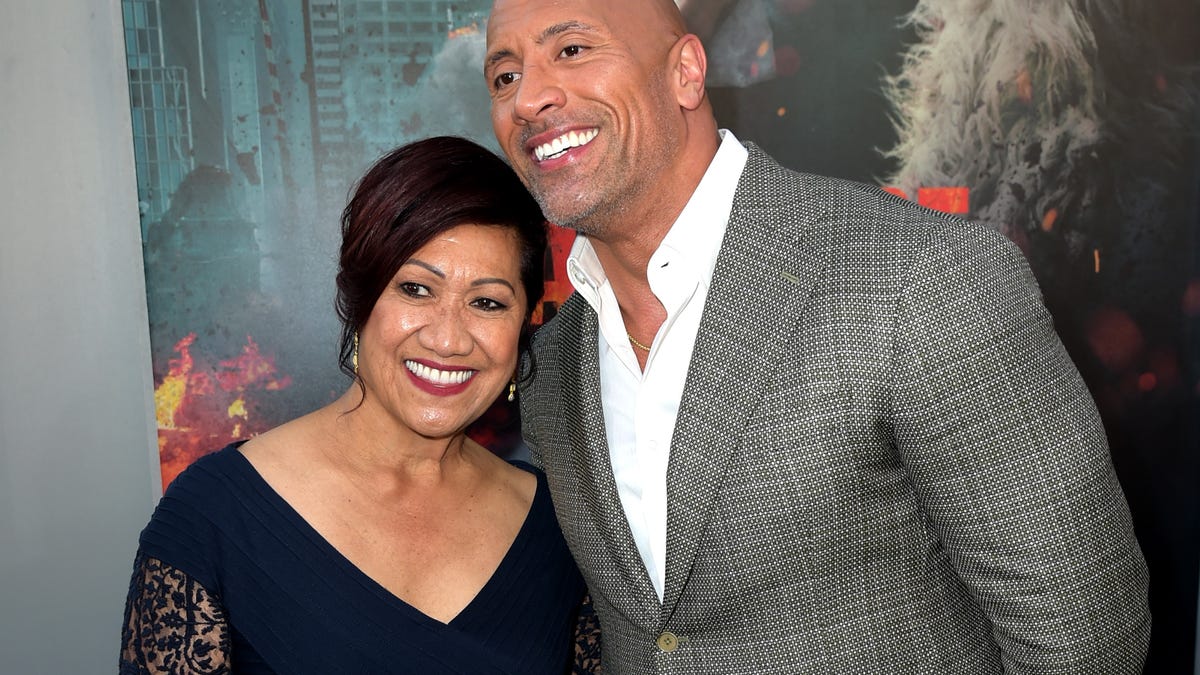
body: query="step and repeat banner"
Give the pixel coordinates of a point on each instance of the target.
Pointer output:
(1069, 126)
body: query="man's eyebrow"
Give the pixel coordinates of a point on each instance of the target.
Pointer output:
(565, 26)
(549, 32)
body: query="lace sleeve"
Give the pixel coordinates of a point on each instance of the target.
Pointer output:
(172, 624)
(587, 640)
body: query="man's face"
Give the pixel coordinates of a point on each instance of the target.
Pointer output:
(582, 103)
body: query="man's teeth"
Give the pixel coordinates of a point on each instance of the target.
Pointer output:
(443, 377)
(558, 146)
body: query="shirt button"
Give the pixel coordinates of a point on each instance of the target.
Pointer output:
(667, 641)
(578, 275)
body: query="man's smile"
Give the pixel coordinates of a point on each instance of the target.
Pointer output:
(565, 142)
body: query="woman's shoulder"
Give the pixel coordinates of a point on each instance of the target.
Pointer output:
(519, 481)
(186, 526)
(220, 495)
(539, 504)
(527, 467)
(206, 473)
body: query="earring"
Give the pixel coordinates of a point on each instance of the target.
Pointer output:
(512, 390)
(354, 355)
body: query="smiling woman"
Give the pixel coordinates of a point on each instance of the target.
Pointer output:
(373, 535)
(441, 342)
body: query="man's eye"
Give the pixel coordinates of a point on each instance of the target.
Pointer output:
(572, 50)
(505, 79)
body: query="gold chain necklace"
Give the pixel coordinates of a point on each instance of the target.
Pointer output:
(636, 343)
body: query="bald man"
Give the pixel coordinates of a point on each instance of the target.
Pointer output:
(794, 424)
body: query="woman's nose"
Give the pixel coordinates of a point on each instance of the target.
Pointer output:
(446, 333)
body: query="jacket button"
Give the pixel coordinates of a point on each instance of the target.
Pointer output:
(667, 641)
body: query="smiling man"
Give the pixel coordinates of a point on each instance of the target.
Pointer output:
(791, 423)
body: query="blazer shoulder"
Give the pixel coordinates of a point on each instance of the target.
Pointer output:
(836, 217)
(571, 318)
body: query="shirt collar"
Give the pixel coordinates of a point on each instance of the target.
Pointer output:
(695, 235)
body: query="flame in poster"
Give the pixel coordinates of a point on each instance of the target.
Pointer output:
(200, 407)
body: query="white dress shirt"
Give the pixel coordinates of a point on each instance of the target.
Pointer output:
(640, 407)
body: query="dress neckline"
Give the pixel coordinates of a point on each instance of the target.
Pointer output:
(362, 578)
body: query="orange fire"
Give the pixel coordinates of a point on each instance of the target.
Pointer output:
(469, 29)
(200, 407)
(557, 286)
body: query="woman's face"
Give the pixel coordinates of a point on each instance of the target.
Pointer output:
(441, 342)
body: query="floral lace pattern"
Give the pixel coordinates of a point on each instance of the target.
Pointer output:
(172, 624)
(587, 640)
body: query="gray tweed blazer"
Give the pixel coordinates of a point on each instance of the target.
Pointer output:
(884, 462)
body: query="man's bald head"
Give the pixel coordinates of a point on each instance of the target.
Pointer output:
(601, 107)
(649, 23)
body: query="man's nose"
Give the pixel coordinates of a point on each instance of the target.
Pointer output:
(538, 91)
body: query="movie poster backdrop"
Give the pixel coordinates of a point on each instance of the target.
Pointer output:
(1069, 126)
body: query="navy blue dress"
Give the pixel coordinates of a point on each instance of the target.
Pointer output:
(227, 564)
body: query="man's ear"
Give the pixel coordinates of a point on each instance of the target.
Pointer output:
(691, 64)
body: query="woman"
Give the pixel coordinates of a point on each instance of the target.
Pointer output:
(374, 536)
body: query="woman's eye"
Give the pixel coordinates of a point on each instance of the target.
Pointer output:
(413, 289)
(488, 304)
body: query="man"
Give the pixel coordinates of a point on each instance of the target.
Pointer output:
(793, 424)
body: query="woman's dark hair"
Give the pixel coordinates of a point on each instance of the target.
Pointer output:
(411, 195)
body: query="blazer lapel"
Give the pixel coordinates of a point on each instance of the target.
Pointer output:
(763, 279)
(592, 467)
